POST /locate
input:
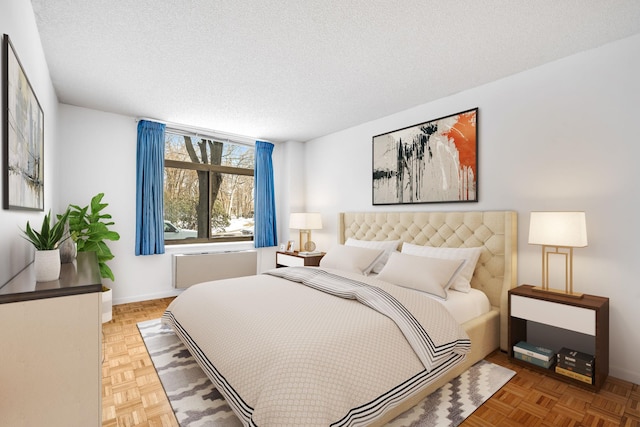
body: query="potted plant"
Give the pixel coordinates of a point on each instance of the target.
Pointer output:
(89, 228)
(46, 241)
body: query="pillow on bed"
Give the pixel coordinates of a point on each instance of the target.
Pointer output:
(424, 274)
(351, 258)
(460, 281)
(388, 246)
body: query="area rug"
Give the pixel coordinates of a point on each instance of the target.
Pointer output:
(197, 403)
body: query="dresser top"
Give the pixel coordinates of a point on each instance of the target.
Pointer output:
(78, 277)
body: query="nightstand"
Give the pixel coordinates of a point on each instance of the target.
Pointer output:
(563, 321)
(294, 259)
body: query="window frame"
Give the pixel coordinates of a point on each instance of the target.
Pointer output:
(210, 169)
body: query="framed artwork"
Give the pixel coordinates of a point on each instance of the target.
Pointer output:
(23, 136)
(431, 162)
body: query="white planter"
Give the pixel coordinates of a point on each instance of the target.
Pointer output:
(47, 265)
(107, 303)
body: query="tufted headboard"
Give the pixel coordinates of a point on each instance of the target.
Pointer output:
(496, 231)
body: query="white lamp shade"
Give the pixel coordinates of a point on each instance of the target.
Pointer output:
(567, 229)
(305, 221)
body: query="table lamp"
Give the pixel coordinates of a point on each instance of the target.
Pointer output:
(558, 233)
(305, 222)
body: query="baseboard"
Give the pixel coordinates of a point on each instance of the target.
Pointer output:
(623, 374)
(147, 297)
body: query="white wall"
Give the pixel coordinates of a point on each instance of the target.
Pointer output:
(17, 20)
(99, 156)
(290, 184)
(558, 137)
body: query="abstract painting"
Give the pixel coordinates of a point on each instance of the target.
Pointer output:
(23, 125)
(431, 162)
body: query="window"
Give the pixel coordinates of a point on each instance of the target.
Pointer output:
(208, 189)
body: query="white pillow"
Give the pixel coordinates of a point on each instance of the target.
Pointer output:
(351, 258)
(388, 246)
(460, 281)
(424, 274)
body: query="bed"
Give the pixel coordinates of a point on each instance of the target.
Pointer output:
(331, 346)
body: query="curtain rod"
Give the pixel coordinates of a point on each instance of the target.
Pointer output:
(198, 131)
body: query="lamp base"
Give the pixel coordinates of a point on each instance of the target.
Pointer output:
(558, 292)
(309, 246)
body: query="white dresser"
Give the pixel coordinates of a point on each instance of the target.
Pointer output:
(50, 348)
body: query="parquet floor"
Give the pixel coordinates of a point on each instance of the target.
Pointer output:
(131, 391)
(133, 396)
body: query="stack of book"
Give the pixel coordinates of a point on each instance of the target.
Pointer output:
(539, 356)
(576, 365)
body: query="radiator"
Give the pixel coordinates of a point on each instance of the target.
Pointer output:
(189, 269)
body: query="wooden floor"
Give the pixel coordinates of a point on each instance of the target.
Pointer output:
(133, 396)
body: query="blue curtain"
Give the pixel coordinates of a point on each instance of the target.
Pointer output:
(149, 189)
(265, 233)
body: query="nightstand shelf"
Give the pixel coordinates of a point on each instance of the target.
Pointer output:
(565, 318)
(294, 259)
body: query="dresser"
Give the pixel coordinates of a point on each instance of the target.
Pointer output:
(50, 347)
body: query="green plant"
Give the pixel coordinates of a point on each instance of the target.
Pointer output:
(49, 235)
(89, 228)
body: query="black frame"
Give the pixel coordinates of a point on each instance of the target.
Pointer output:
(30, 137)
(424, 162)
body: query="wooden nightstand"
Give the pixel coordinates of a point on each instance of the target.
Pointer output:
(561, 321)
(294, 259)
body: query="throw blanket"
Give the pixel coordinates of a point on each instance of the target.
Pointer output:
(288, 355)
(429, 353)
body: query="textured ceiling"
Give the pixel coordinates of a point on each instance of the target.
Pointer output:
(296, 70)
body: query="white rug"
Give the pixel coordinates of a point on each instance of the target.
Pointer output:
(196, 402)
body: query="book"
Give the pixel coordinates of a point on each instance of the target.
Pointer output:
(533, 360)
(576, 361)
(574, 356)
(314, 253)
(572, 367)
(534, 351)
(576, 376)
(576, 364)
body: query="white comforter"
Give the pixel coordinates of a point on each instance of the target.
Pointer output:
(294, 354)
